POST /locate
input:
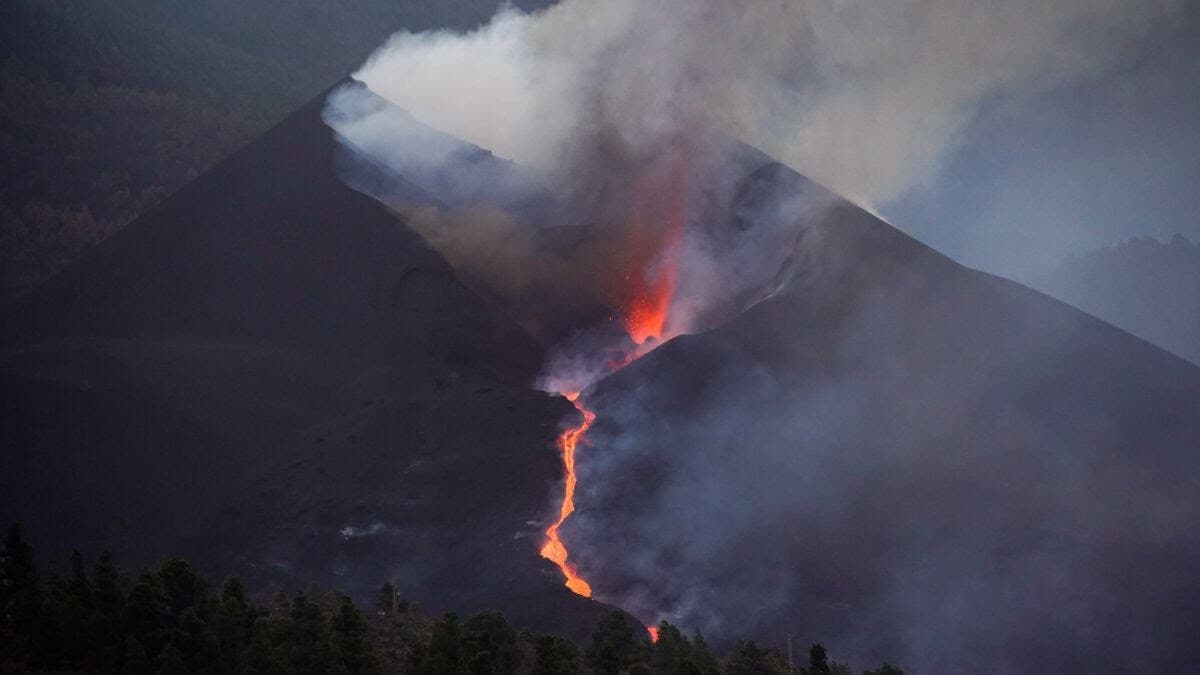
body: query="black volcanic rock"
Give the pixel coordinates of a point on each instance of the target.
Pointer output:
(910, 460)
(271, 374)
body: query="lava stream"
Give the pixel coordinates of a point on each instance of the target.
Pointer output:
(554, 550)
(642, 291)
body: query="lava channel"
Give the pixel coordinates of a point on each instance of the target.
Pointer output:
(554, 549)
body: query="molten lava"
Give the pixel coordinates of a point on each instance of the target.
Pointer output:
(648, 266)
(653, 631)
(554, 550)
(644, 287)
(646, 315)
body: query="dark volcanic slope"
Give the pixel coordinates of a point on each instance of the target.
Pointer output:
(906, 459)
(271, 373)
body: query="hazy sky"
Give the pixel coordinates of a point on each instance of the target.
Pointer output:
(1075, 168)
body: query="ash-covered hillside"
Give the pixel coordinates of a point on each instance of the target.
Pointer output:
(1147, 287)
(850, 436)
(906, 456)
(271, 374)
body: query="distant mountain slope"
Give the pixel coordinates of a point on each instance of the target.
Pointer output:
(110, 106)
(270, 373)
(1149, 288)
(904, 455)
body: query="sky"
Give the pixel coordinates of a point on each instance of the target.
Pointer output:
(1090, 164)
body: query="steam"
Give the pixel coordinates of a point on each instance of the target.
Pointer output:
(864, 97)
(581, 102)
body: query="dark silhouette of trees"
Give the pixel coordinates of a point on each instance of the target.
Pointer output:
(554, 655)
(19, 583)
(675, 654)
(617, 645)
(444, 654)
(491, 645)
(167, 619)
(351, 641)
(747, 658)
(818, 660)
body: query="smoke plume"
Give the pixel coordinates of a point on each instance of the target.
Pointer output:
(584, 103)
(863, 97)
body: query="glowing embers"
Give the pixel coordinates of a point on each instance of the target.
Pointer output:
(553, 549)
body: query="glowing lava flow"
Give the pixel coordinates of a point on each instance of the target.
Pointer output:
(644, 290)
(554, 550)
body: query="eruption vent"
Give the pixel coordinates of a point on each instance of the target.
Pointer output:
(651, 256)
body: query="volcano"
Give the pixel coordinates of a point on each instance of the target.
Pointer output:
(271, 375)
(904, 456)
(875, 447)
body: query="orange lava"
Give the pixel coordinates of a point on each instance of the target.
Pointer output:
(652, 255)
(647, 316)
(653, 631)
(553, 549)
(642, 288)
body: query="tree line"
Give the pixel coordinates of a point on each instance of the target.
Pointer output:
(171, 619)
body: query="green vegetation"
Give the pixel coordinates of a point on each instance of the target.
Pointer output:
(169, 620)
(108, 106)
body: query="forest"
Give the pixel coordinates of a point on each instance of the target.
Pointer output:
(171, 619)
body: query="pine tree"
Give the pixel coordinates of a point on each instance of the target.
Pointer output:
(108, 604)
(747, 658)
(672, 653)
(555, 656)
(818, 660)
(308, 641)
(705, 661)
(234, 619)
(444, 656)
(350, 638)
(20, 588)
(490, 644)
(617, 645)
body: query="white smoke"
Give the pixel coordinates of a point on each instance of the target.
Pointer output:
(865, 97)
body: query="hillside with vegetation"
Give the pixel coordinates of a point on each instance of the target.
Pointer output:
(108, 106)
(170, 619)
